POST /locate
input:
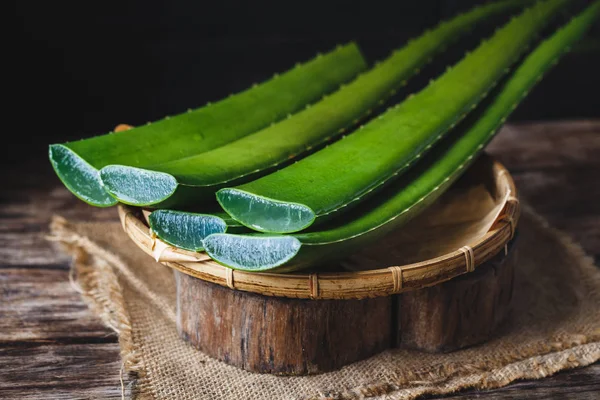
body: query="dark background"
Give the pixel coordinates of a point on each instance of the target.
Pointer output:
(82, 67)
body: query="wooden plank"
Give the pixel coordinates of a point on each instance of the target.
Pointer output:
(556, 167)
(39, 305)
(25, 214)
(548, 145)
(569, 198)
(61, 372)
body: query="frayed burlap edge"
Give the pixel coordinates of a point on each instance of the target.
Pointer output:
(94, 278)
(532, 368)
(97, 269)
(92, 274)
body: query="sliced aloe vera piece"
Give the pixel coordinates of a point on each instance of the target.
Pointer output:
(195, 178)
(187, 230)
(416, 190)
(343, 174)
(79, 176)
(184, 229)
(148, 184)
(205, 128)
(252, 253)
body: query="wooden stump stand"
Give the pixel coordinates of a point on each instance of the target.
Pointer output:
(441, 283)
(280, 335)
(302, 336)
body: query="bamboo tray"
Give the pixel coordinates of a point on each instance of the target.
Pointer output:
(270, 322)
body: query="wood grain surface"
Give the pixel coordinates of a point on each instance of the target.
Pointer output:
(292, 336)
(52, 346)
(280, 335)
(460, 312)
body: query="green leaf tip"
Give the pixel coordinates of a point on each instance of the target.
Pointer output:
(137, 186)
(79, 176)
(251, 253)
(264, 214)
(185, 230)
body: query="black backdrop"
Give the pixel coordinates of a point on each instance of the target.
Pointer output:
(82, 67)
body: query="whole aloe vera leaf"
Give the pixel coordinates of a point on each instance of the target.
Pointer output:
(325, 183)
(77, 163)
(413, 192)
(191, 179)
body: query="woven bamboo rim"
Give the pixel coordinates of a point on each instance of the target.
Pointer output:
(338, 285)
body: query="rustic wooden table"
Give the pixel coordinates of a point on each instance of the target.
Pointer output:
(53, 347)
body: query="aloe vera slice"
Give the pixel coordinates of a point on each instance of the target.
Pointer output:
(327, 182)
(81, 178)
(187, 230)
(252, 253)
(77, 163)
(195, 178)
(413, 192)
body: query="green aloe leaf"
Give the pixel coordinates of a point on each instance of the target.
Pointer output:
(416, 190)
(326, 183)
(77, 163)
(191, 179)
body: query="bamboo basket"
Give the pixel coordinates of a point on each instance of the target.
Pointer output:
(450, 293)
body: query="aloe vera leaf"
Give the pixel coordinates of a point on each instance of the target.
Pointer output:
(413, 192)
(77, 163)
(326, 182)
(192, 179)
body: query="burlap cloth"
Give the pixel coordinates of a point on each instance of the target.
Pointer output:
(554, 325)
